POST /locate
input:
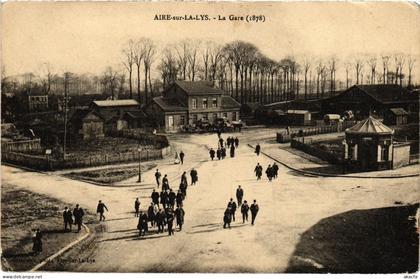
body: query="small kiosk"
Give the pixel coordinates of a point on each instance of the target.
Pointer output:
(368, 146)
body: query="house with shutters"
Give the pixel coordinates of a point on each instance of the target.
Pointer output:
(187, 102)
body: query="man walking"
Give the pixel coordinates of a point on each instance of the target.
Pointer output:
(137, 207)
(269, 173)
(183, 189)
(244, 211)
(258, 149)
(157, 176)
(275, 169)
(219, 153)
(171, 198)
(254, 210)
(258, 171)
(160, 220)
(181, 157)
(194, 176)
(211, 152)
(232, 151)
(78, 214)
(142, 225)
(227, 218)
(101, 209)
(68, 218)
(165, 183)
(239, 195)
(179, 214)
(155, 197)
(184, 178)
(151, 215)
(170, 221)
(236, 142)
(179, 198)
(232, 206)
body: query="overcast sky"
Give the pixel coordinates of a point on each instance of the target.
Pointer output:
(86, 37)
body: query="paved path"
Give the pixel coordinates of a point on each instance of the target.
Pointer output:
(288, 207)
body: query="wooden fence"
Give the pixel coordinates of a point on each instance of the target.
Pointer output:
(46, 163)
(309, 131)
(26, 146)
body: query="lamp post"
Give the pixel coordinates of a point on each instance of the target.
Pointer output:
(47, 155)
(139, 150)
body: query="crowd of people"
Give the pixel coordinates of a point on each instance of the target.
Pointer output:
(232, 206)
(271, 171)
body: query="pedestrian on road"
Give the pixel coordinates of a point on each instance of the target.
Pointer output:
(160, 220)
(137, 206)
(78, 214)
(219, 133)
(258, 171)
(171, 198)
(232, 206)
(244, 211)
(219, 153)
(227, 218)
(155, 197)
(275, 169)
(254, 210)
(194, 176)
(228, 142)
(258, 149)
(142, 225)
(157, 176)
(223, 152)
(211, 152)
(221, 142)
(170, 221)
(239, 195)
(232, 151)
(37, 242)
(163, 198)
(269, 173)
(151, 214)
(101, 209)
(236, 142)
(179, 198)
(67, 218)
(165, 183)
(183, 189)
(184, 178)
(179, 215)
(181, 157)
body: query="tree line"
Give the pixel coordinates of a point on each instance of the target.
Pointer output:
(238, 67)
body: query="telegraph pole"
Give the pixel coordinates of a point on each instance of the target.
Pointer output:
(66, 86)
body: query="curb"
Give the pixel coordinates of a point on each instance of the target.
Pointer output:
(62, 250)
(310, 173)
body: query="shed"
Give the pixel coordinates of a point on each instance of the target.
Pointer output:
(298, 117)
(396, 116)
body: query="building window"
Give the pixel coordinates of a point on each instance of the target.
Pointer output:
(214, 103)
(194, 118)
(234, 116)
(194, 103)
(383, 153)
(204, 103)
(182, 119)
(170, 121)
(205, 118)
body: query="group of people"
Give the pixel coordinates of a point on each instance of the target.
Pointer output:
(77, 214)
(229, 214)
(220, 153)
(271, 171)
(184, 184)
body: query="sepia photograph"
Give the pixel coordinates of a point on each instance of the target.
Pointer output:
(210, 137)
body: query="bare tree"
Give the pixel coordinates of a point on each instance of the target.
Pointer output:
(138, 58)
(149, 52)
(372, 64)
(129, 60)
(110, 81)
(410, 61)
(168, 66)
(385, 64)
(306, 67)
(192, 64)
(46, 77)
(183, 51)
(399, 63)
(358, 66)
(332, 68)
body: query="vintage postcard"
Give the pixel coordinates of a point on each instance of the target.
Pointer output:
(210, 137)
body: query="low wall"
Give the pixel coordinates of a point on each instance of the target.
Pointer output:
(311, 150)
(401, 155)
(46, 163)
(146, 138)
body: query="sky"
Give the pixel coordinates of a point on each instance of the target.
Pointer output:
(87, 36)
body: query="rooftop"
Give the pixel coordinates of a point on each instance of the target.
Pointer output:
(198, 87)
(168, 105)
(398, 111)
(116, 103)
(387, 93)
(229, 103)
(370, 126)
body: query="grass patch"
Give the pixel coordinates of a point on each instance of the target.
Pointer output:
(111, 175)
(24, 211)
(334, 146)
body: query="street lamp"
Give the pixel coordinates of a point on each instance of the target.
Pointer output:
(47, 155)
(139, 150)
